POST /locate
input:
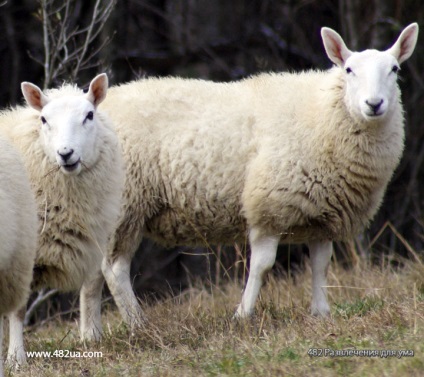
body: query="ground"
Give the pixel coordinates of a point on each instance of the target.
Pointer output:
(374, 308)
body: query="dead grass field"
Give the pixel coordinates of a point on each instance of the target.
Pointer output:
(193, 334)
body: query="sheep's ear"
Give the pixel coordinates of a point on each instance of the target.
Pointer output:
(405, 44)
(34, 96)
(98, 89)
(334, 46)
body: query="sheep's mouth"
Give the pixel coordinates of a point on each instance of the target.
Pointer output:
(69, 168)
(375, 114)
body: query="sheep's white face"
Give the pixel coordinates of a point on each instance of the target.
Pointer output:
(69, 133)
(371, 75)
(69, 125)
(371, 83)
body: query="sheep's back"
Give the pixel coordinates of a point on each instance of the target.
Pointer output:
(186, 148)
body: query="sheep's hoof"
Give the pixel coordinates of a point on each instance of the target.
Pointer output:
(17, 360)
(136, 320)
(322, 311)
(136, 325)
(241, 314)
(91, 336)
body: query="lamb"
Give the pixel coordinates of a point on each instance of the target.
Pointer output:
(18, 234)
(283, 158)
(75, 167)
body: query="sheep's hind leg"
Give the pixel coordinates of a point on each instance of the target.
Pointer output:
(263, 253)
(90, 307)
(117, 274)
(16, 353)
(320, 255)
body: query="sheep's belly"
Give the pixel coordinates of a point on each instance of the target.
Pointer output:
(170, 230)
(188, 226)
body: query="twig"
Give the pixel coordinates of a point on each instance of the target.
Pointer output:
(389, 225)
(46, 42)
(45, 216)
(414, 292)
(87, 38)
(66, 46)
(41, 297)
(351, 287)
(52, 170)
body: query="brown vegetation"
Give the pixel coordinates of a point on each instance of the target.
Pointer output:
(373, 308)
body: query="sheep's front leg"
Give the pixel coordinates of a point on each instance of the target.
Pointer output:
(320, 255)
(90, 307)
(117, 275)
(263, 253)
(16, 353)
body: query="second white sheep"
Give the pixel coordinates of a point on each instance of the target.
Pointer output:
(283, 158)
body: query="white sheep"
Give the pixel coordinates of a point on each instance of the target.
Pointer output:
(283, 158)
(18, 234)
(75, 167)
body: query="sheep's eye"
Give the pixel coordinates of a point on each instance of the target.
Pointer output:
(89, 116)
(43, 120)
(395, 69)
(348, 70)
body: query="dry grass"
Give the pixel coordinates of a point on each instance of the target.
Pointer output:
(193, 334)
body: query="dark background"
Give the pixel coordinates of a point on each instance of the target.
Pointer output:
(225, 40)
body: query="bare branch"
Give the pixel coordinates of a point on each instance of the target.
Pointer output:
(88, 39)
(42, 297)
(46, 43)
(100, 16)
(66, 42)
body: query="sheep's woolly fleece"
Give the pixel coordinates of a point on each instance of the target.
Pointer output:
(206, 161)
(76, 214)
(18, 230)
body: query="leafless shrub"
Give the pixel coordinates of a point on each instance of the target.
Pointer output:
(69, 47)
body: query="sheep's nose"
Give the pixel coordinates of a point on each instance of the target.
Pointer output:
(374, 104)
(65, 153)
